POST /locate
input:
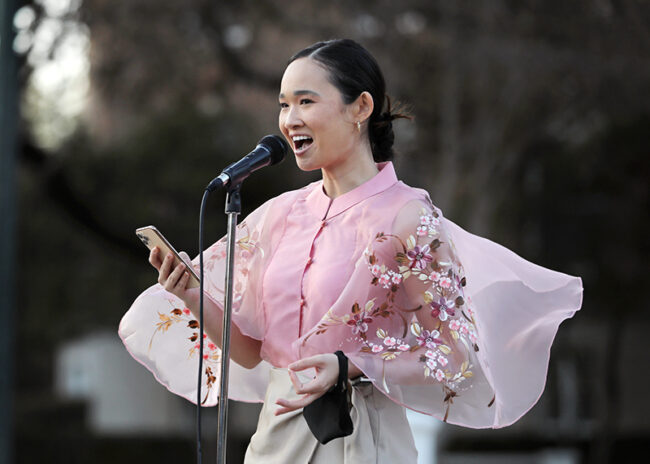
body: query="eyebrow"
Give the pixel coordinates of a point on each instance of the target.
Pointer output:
(301, 92)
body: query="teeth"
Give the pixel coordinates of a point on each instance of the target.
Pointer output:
(296, 138)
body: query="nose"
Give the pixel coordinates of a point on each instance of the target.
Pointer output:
(291, 119)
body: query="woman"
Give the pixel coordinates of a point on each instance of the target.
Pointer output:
(362, 263)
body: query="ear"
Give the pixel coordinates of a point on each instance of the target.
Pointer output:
(363, 106)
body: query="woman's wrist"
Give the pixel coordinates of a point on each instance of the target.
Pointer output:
(353, 371)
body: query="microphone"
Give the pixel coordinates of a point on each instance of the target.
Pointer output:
(270, 150)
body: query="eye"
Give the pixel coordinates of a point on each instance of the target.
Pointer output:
(306, 101)
(283, 105)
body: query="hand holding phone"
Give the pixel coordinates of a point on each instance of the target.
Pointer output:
(152, 238)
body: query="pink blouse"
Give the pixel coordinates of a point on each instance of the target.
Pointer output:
(376, 273)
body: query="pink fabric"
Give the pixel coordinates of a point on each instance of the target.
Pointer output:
(442, 321)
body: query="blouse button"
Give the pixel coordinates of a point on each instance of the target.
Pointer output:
(302, 302)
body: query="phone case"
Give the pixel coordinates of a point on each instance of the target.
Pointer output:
(152, 237)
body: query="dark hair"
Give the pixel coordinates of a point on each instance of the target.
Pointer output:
(353, 70)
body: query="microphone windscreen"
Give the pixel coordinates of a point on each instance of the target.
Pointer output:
(277, 146)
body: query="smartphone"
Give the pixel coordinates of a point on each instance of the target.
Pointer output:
(152, 237)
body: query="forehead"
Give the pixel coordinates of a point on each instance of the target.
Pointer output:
(306, 74)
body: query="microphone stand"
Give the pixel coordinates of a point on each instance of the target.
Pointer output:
(233, 208)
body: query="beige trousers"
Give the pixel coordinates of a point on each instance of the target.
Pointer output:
(381, 432)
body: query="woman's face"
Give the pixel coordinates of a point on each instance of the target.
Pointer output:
(313, 118)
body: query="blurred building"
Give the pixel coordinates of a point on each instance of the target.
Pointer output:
(121, 396)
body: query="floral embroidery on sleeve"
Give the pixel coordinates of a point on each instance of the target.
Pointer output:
(211, 352)
(439, 342)
(246, 246)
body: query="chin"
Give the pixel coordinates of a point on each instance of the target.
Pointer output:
(305, 165)
(307, 168)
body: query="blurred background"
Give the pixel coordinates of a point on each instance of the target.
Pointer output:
(532, 127)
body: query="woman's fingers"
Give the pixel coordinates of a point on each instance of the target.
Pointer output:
(292, 405)
(317, 385)
(182, 282)
(327, 372)
(297, 384)
(306, 363)
(173, 280)
(154, 258)
(188, 261)
(186, 258)
(280, 411)
(165, 269)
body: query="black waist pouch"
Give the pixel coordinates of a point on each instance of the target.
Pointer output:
(328, 417)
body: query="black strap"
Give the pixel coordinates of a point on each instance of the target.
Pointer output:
(342, 382)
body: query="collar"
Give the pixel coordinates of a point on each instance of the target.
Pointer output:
(325, 207)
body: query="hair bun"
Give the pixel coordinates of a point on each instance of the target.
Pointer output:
(392, 113)
(386, 116)
(381, 131)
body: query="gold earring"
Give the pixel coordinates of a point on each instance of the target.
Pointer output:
(359, 126)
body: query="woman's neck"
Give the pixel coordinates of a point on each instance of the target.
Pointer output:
(346, 176)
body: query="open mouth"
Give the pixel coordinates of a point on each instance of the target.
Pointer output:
(302, 142)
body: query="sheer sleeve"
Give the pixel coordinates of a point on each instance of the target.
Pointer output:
(162, 334)
(408, 320)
